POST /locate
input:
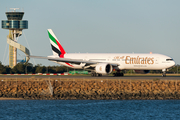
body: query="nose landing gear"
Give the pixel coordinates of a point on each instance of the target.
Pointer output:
(164, 73)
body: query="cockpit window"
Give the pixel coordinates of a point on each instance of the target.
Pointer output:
(169, 59)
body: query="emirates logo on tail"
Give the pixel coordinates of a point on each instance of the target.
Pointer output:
(57, 49)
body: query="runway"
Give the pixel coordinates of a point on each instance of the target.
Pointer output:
(131, 77)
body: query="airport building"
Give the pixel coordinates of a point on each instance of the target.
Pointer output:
(15, 25)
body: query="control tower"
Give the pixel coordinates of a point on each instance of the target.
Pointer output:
(15, 25)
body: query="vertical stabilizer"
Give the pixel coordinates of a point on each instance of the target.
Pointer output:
(57, 49)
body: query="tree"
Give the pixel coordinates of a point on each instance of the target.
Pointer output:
(19, 68)
(2, 69)
(40, 69)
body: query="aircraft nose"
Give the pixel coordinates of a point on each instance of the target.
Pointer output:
(173, 63)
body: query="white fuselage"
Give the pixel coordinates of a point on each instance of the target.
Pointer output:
(124, 60)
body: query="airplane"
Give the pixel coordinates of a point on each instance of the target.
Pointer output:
(105, 63)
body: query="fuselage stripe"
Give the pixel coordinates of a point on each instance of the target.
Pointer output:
(69, 64)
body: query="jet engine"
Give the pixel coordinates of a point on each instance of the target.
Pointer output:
(103, 68)
(142, 71)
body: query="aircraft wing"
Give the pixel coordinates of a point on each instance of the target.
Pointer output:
(73, 61)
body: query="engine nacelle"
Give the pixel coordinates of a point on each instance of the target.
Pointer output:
(103, 68)
(142, 71)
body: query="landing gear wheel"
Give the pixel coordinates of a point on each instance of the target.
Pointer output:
(164, 75)
(95, 74)
(114, 74)
(122, 74)
(164, 72)
(99, 75)
(118, 74)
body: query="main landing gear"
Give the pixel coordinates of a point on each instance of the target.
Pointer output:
(93, 74)
(164, 73)
(118, 73)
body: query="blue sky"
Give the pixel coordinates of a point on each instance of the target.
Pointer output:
(97, 26)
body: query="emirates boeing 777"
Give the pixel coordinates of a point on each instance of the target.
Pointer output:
(104, 63)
